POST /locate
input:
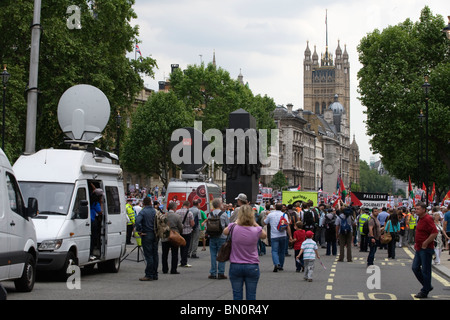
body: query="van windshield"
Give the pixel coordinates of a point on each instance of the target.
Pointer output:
(53, 198)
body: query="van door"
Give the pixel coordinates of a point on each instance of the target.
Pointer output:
(4, 236)
(81, 226)
(115, 225)
(18, 225)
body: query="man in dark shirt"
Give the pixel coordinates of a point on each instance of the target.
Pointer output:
(426, 232)
(145, 226)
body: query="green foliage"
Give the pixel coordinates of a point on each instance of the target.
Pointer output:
(372, 181)
(394, 63)
(94, 54)
(147, 144)
(279, 180)
(212, 94)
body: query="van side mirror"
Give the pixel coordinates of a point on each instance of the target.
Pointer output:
(32, 208)
(83, 210)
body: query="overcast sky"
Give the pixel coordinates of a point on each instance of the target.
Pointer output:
(267, 40)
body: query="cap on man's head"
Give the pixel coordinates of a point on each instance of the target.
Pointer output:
(309, 234)
(98, 192)
(241, 197)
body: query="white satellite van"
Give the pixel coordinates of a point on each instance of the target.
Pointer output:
(63, 181)
(18, 244)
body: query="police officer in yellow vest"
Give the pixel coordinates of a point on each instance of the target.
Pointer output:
(412, 226)
(131, 219)
(363, 217)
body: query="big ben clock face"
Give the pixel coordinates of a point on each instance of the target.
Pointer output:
(329, 168)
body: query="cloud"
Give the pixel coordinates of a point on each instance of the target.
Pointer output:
(267, 39)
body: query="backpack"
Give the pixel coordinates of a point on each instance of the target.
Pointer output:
(330, 223)
(345, 227)
(282, 224)
(162, 226)
(365, 228)
(213, 225)
(308, 218)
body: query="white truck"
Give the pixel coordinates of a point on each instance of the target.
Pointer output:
(63, 181)
(18, 244)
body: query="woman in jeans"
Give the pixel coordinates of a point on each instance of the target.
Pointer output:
(392, 226)
(244, 259)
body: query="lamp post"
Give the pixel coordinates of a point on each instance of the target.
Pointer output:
(446, 29)
(118, 120)
(426, 88)
(5, 78)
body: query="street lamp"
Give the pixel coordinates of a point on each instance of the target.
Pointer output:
(5, 78)
(118, 120)
(446, 30)
(426, 88)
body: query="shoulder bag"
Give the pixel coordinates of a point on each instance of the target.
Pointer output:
(224, 252)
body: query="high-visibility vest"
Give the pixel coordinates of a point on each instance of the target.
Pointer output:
(412, 222)
(130, 213)
(362, 218)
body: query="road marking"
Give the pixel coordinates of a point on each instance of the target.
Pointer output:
(434, 275)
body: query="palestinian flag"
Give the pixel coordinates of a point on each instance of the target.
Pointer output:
(411, 193)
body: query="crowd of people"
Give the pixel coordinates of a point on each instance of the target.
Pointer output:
(302, 227)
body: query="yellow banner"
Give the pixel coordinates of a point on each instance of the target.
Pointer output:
(290, 197)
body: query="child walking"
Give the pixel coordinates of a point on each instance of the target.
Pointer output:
(309, 250)
(299, 237)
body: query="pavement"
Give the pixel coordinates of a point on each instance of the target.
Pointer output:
(444, 267)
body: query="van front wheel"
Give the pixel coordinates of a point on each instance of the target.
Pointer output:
(26, 282)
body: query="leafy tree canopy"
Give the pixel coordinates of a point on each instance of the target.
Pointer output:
(394, 63)
(94, 54)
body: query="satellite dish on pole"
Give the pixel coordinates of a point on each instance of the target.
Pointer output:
(83, 112)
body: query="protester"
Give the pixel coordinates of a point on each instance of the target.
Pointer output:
(373, 236)
(344, 227)
(216, 239)
(309, 250)
(426, 232)
(393, 227)
(278, 238)
(145, 226)
(329, 226)
(439, 242)
(195, 235)
(298, 238)
(188, 222)
(174, 222)
(244, 258)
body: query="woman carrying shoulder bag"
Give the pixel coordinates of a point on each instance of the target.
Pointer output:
(393, 227)
(244, 258)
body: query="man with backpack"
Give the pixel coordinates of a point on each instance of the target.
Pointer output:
(216, 222)
(344, 228)
(279, 226)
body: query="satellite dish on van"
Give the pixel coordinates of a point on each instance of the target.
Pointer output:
(83, 112)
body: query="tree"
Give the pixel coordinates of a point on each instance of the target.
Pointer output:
(394, 63)
(212, 94)
(147, 144)
(94, 54)
(279, 180)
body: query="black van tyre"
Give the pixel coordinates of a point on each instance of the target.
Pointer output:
(71, 259)
(111, 266)
(26, 282)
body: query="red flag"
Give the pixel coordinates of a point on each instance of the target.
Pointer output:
(447, 197)
(433, 193)
(355, 200)
(336, 202)
(299, 187)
